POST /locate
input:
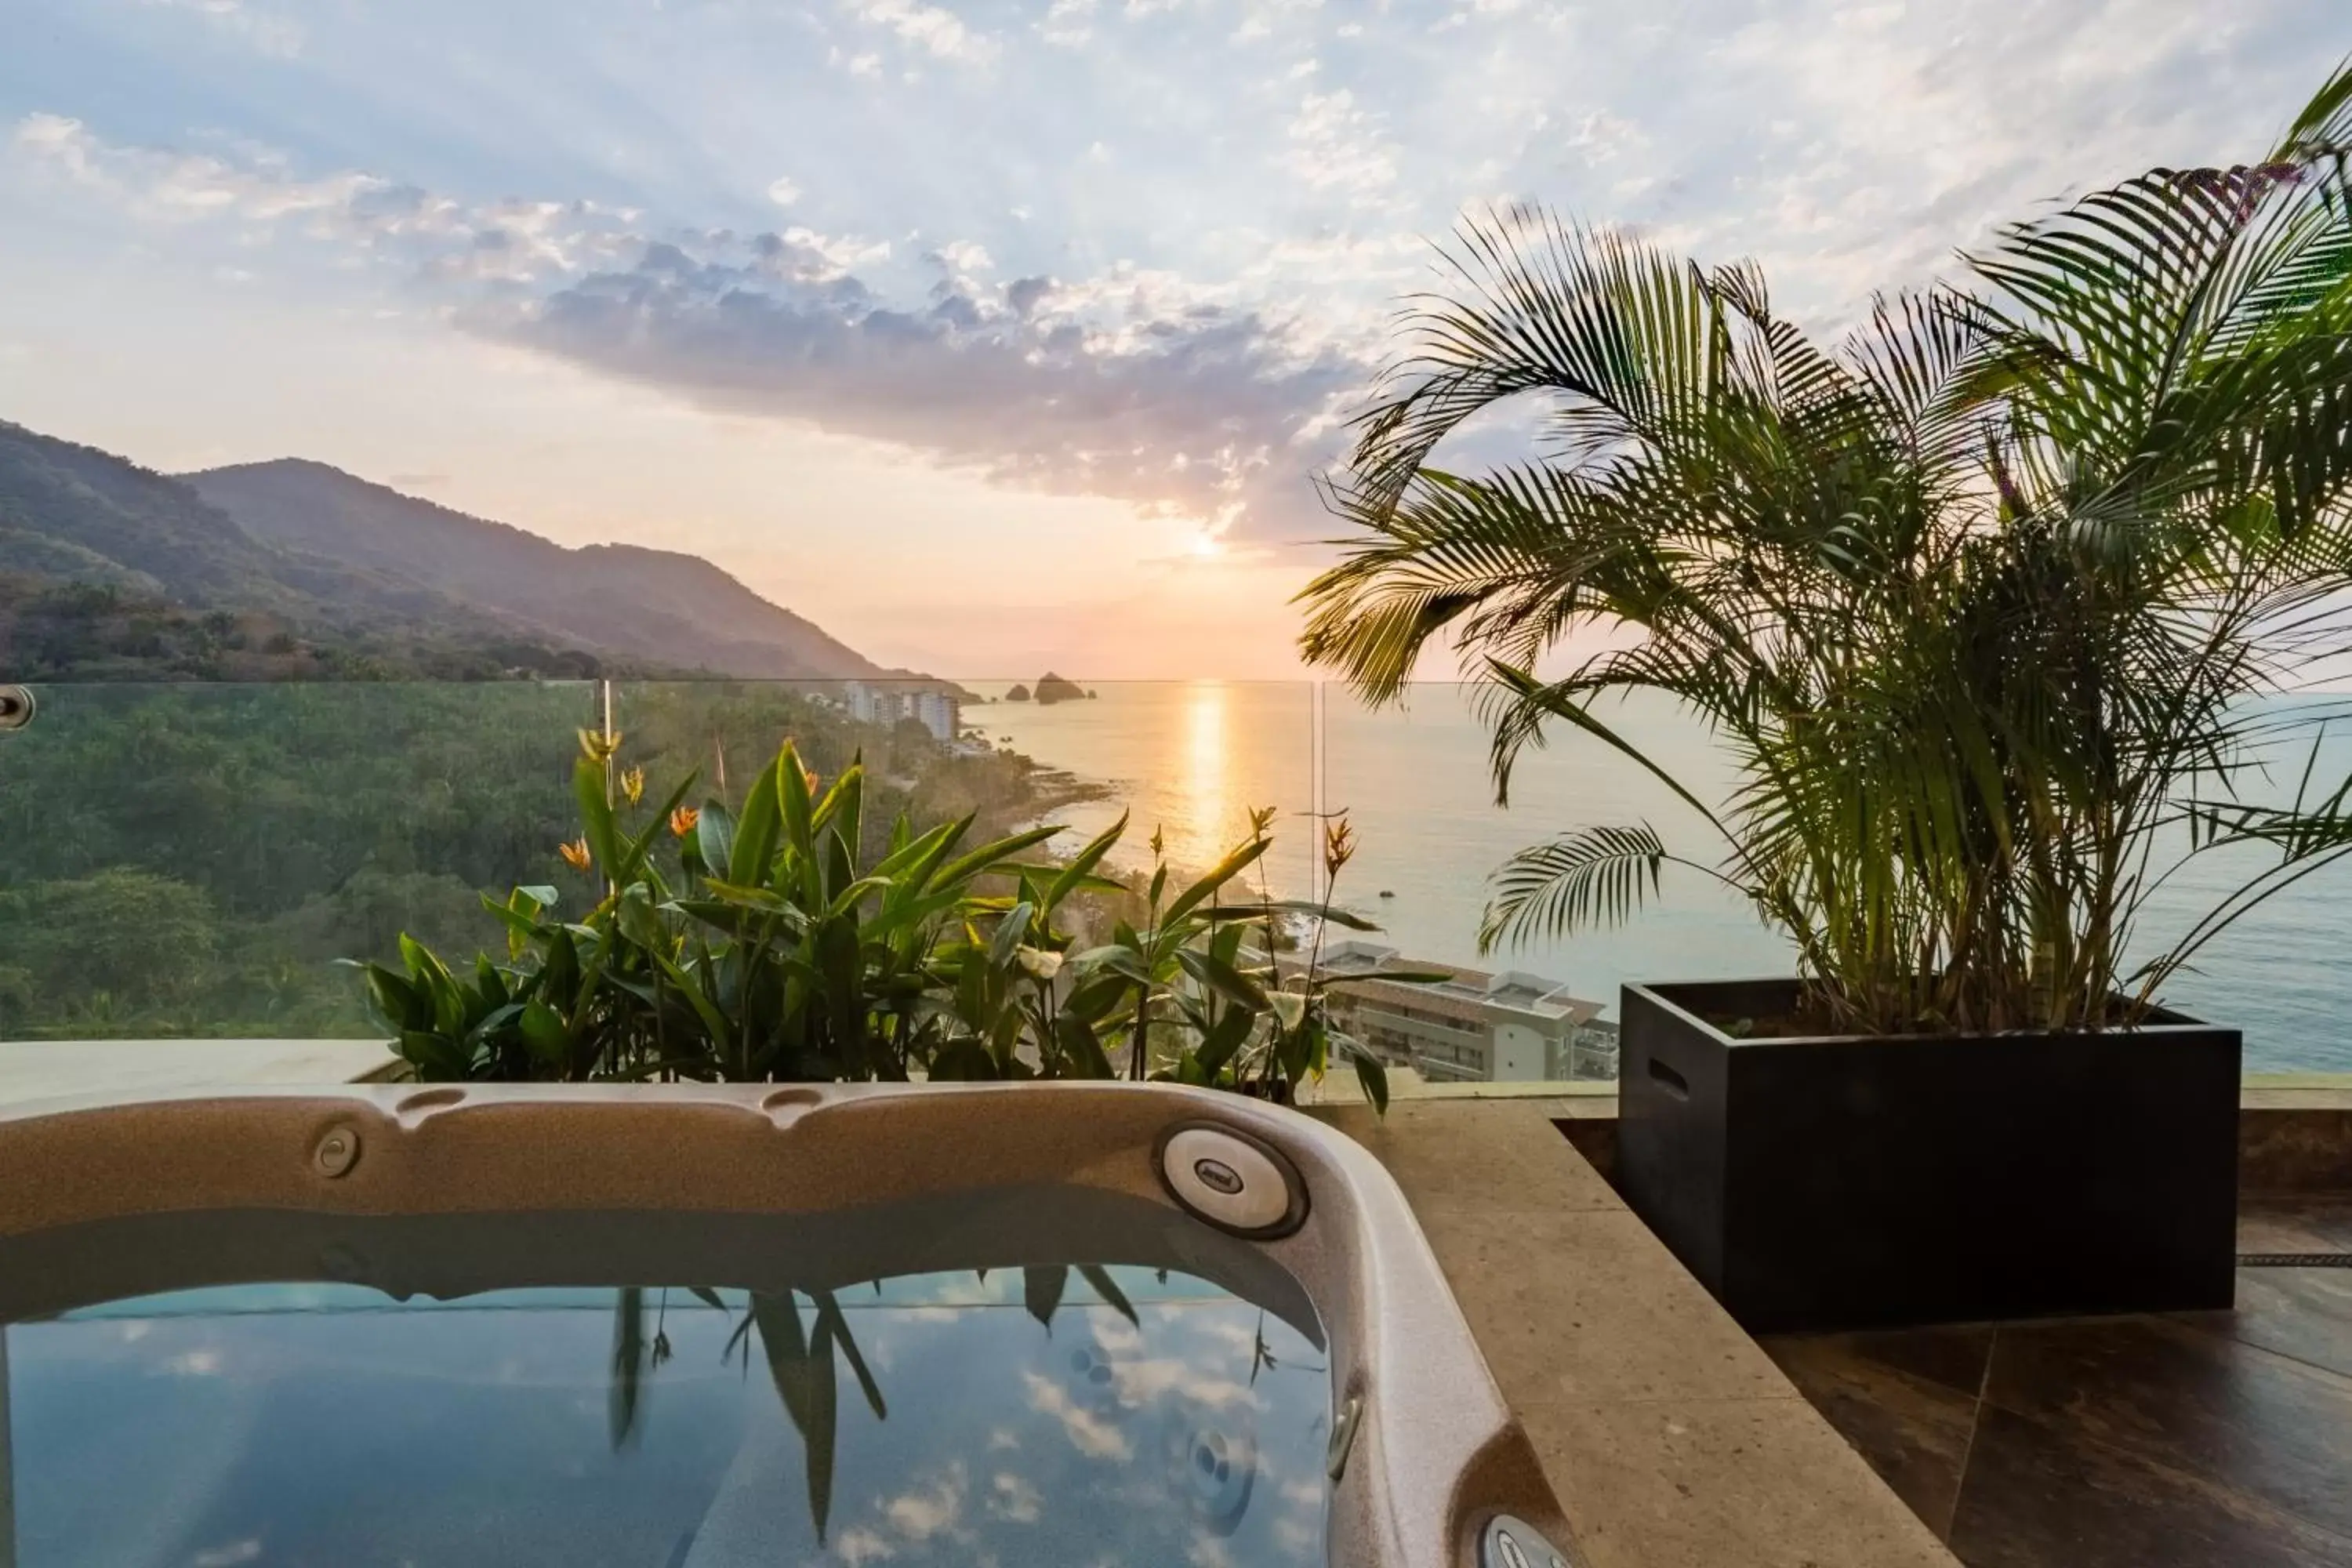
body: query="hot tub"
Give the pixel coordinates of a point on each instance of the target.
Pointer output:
(689, 1327)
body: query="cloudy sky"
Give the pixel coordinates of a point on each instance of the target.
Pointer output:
(990, 333)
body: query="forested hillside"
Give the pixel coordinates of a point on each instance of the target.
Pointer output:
(66, 629)
(110, 572)
(655, 606)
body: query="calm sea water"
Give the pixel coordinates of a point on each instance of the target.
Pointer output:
(1191, 759)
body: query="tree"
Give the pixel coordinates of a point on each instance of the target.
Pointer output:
(1977, 598)
(140, 940)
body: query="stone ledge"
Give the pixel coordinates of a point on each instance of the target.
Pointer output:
(2295, 1129)
(1670, 1439)
(60, 1069)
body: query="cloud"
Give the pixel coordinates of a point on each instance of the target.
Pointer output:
(859, 1545)
(1206, 1551)
(1337, 146)
(1601, 136)
(1142, 1382)
(1067, 23)
(1011, 1498)
(175, 185)
(1088, 1433)
(266, 33)
(1210, 239)
(231, 1554)
(510, 241)
(1895, 137)
(927, 1510)
(1132, 385)
(965, 256)
(930, 28)
(1261, 17)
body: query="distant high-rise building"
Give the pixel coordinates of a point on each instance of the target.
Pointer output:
(938, 711)
(941, 712)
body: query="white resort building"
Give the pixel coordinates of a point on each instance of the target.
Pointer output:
(940, 711)
(1475, 1027)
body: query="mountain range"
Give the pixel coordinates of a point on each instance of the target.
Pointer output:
(292, 568)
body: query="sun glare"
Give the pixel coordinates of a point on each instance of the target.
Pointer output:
(1206, 741)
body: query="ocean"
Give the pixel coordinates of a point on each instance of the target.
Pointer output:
(1192, 758)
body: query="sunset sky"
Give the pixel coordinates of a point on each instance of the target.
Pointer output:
(993, 336)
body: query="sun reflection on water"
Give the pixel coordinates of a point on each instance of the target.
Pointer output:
(1204, 833)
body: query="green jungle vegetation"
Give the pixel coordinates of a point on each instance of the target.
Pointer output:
(194, 859)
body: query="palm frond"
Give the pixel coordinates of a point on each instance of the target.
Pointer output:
(1591, 876)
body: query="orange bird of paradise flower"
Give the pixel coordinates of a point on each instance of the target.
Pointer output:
(1339, 845)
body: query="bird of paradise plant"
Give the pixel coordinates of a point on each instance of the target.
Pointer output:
(765, 946)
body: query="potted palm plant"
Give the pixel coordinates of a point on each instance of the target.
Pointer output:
(1991, 605)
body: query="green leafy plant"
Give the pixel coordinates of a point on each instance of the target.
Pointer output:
(1981, 601)
(762, 951)
(1195, 991)
(759, 946)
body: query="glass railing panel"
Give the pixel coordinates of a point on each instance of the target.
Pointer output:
(1416, 778)
(1190, 760)
(1187, 763)
(2280, 972)
(190, 859)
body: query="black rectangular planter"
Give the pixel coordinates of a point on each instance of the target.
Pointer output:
(1849, 1182)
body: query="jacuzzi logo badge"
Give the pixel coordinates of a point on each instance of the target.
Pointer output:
(1217, 1177)
(1231, 1179)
